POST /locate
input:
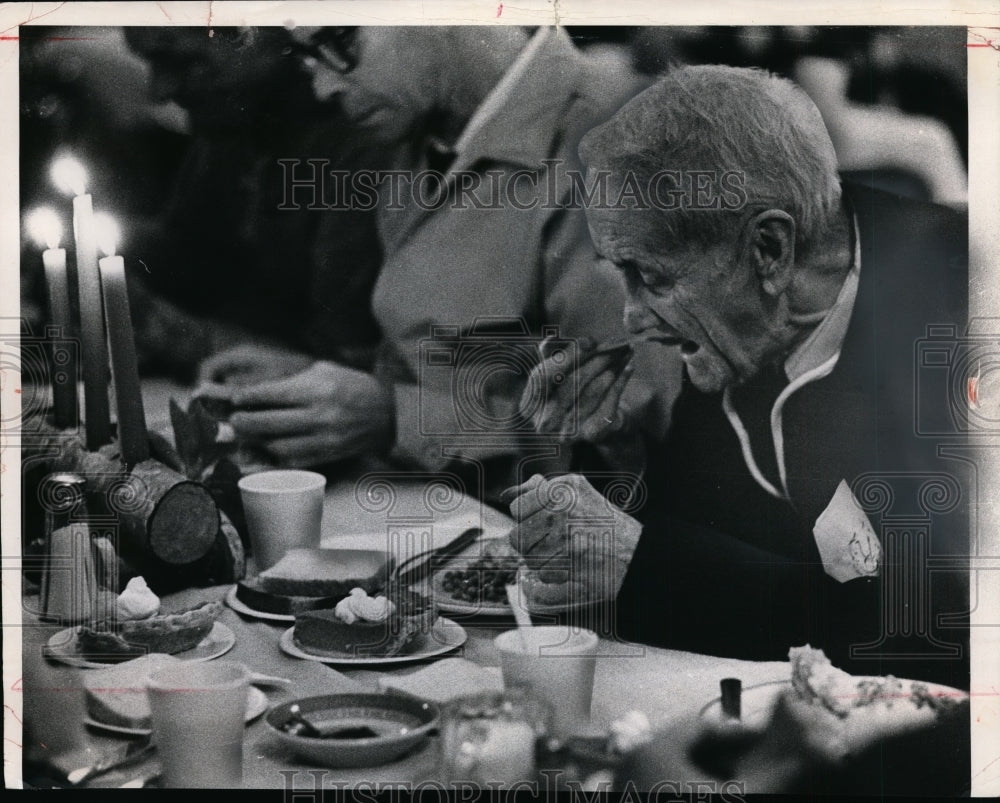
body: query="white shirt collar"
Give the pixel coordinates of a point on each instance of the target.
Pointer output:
(814, 359)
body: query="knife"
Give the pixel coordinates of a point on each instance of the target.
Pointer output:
(117, 757)
(426, 562)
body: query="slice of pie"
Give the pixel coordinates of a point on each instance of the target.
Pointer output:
(362, 626)
(168, 633)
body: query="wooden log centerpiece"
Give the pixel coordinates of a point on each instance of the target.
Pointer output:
(162, 515)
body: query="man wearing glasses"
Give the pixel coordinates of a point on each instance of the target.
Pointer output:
(494, 115)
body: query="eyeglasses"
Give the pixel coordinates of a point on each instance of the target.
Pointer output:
(337, 48)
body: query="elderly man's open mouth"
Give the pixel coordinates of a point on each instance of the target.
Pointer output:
(687, 346)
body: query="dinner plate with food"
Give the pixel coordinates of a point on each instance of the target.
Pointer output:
(475, 583)
(134, 623)
(362, 630)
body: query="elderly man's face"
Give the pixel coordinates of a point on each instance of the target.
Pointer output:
(703, 302)
(384, 77)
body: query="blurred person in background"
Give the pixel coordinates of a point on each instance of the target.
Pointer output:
(456, 100)
(83, 93)
(222, 263)
(893, 99)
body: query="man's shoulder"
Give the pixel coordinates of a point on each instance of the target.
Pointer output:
(596, 87)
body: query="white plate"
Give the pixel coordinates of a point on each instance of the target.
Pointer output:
(864, 724)
(256, 705)
(448, 604)
(63, 647)
(240, 606)
(445, 636)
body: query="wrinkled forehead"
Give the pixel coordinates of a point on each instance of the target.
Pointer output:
(616, 227)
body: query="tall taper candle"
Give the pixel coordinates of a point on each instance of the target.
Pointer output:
(45, 228)
(64, 402)
(128, 394)
(95, 349)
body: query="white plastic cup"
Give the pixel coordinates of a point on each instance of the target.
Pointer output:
(557, 664)
(284, 509)
(199, 716)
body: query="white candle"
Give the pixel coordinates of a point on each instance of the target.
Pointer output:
(69, 174)
(132, 438)
(46, 229)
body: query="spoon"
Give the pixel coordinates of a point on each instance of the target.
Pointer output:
(303, 727)
(516, 599)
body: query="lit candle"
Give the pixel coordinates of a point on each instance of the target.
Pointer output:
(70, 176)
(124, 365)
(45, 228)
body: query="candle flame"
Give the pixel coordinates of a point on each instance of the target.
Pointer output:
(69, 175)
(107, 233)
(972, 386)
(44, 227)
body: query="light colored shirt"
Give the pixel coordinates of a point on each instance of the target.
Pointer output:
(502, 93)
(815, 358)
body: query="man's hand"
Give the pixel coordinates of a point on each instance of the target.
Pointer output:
(568, 532)
(589, 407)
(250, 364)
(322, 414)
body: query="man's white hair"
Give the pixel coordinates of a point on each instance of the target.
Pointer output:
(726, 118)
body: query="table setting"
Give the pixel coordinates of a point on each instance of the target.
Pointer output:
(495, 699)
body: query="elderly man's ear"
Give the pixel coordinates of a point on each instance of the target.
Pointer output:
(769, 249)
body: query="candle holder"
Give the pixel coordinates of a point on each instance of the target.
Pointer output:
(168, 528)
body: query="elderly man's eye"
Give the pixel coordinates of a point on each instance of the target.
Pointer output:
(652, 278)
(637, 275)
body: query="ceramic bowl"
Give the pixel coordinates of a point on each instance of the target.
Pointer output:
(359, 730)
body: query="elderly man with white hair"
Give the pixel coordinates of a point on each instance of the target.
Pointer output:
(795, 498)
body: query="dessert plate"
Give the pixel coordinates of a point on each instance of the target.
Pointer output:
(240, 606)
(256, 705)
(64, 647)
(445, 636)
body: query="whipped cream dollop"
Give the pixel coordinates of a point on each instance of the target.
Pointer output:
(137, 601)
(358, 605)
